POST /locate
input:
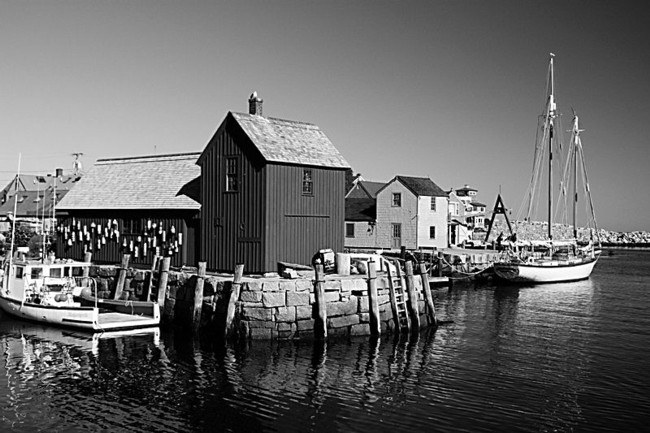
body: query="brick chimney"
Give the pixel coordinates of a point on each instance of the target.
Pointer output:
(255, 105)
(59, 172)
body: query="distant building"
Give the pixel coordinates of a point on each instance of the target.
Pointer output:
(364, 189)
(361, 223)
(272, 191)
(142, 206)
(458, 231)
(35, 197)
(472, 217)
(411, 212)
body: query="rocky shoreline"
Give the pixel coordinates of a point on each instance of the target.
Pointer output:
(537, 230)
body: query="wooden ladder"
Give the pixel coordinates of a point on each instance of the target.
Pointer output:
(398, 297)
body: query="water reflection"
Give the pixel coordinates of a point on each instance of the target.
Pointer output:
(506, 359)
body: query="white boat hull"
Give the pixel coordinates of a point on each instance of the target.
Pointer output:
(549, 271)
(71, 316)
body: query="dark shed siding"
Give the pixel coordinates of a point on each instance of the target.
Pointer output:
(300, 225)
(112, 249)
(233, 222)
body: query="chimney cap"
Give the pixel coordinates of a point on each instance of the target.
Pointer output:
(254, 97)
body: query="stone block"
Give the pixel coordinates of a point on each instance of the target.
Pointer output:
(285, 327)
(270, 286)
(339, 322)
(258, 314)
(360, 329)
(273, 299)
(261, 324)
(304, 285)
(364, 317)
(347, 285)
(286, 314)
(332, 296)
(253, 285)
(297, 298)
(287, 286)
(332, 285)
(383, 299)
(342, 308)
(261, 333)
(305, 325)
(250, 296)
(304, 312)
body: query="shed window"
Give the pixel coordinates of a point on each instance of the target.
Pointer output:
(231, 174)
(349, 230)
(433, 204)
(397, 199)
(133, 226)
(307, 182)
(432, 232)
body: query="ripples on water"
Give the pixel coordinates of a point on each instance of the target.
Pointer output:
(562, 357)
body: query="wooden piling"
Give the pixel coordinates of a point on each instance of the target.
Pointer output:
(373, 304)
(154, 266)
(430, 306)
(413, 297)
(234, 297)
(198, 297)
(320, 324)
(87, 258)
(440, 262)
(122, 277)
(162, 281)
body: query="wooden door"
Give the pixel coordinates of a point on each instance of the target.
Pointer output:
(396, 236)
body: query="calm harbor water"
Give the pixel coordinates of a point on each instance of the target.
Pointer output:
(562, 357)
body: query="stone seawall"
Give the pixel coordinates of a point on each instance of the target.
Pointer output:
(267, 308)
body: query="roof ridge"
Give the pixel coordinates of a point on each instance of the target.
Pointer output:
(276, 119)
(149, 158)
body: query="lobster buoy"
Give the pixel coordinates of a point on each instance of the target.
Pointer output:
(86, 292)
(61, 297)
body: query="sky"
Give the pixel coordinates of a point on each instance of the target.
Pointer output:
(449, 90)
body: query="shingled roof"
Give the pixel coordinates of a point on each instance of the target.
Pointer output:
(146, 182)
(360, 209)
(289, 141)
(420, 186)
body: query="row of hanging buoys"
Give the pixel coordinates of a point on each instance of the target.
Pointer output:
(94, 236)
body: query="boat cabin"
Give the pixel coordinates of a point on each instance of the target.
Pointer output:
(37, 282)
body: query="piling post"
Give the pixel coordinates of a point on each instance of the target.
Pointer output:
(373, 304)
(320, 324)
(234, 297)
(440, 261)
(122, 277)
(198, 297)
(430, 306)
(87, 258)
(154, 266)
(162, 281)
(413, 296)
